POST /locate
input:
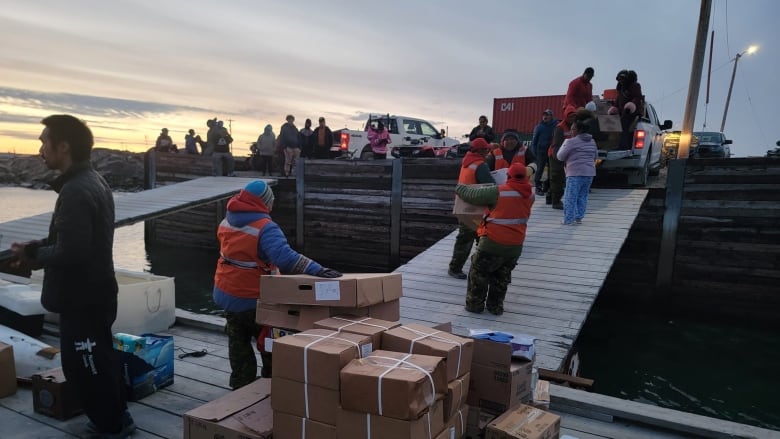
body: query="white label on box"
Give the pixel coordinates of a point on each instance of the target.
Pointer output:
(366, 349)
(269, 344)
(327, 290)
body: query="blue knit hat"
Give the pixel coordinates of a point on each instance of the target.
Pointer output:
(260, 189)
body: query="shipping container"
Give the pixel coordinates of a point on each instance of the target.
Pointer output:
(524, 113)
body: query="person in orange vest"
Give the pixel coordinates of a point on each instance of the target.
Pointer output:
(501, 237)
(473, 170)
(511, 151)
(252, 245)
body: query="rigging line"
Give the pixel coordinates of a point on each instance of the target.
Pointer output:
(726, 16)
(753, 110)
(686, 87)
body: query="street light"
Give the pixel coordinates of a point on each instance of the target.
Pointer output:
(750, 50)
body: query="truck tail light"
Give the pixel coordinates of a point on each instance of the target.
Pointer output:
(344, 141)
(639, 139)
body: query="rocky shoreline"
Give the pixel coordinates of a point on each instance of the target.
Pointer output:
(124, 171)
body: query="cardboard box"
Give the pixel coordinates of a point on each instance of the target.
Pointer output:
(304, 400)
(456, 426)
(524, 422)
(317, 356)
(468, 214)
(7, 370)
(609, 123)
(359, 425)
(457, 393)
(350, 290)
(501, 355)
(54, 396)
(367, 326)
(244, 413)
(147, 363)
(541, 396)
(302, 317)
(476, 422)
(420, 339)
(408, 384)
(287, 426)
(496, 390)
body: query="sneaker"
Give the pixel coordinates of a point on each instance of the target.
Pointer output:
(557, 205)
(457, 274)
(564, 223)
(128, 427)
(578, 221)
(539, 191)
(474, 309)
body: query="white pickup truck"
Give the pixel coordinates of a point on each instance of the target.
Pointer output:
(644, 157)
(410, 137)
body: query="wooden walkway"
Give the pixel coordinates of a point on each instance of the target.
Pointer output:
(199, 380)
(138, 206)
(553, 286)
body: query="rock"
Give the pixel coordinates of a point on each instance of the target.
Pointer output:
(122, 170)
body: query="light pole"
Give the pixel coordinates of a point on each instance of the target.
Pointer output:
(749, 50)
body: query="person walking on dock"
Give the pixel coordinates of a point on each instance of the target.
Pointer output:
(557, 176)
(252, 245)
(579, 155)
(78, 280)
(473, 170)
(541, 140)
(501, 237)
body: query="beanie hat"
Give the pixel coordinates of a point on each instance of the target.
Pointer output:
(260, 189)
(516, 171)
(479, 143)
(514, 134)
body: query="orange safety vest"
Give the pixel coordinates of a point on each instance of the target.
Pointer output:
(507, 222)
(239, 269)
(519, 157)
(468, 174)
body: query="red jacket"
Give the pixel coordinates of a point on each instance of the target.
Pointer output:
(579, 93)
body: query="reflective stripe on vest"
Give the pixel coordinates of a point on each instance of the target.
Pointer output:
(507, 222)
(468, 174)
(239, 269)
(500, 163)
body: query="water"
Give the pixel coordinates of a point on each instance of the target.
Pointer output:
(721, 371)
(718, 370)
(192, 268)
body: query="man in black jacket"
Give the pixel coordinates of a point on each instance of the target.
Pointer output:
(79, 281)
(483, 130)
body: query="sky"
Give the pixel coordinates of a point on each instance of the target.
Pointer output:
(132, 67)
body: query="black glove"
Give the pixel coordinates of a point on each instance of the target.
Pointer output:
(329, 273)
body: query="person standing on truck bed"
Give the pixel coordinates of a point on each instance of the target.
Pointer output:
(580, 90)
(483, 130)
(379, 138)
(541, 140)
(473, 170)
(290, 141)
(557, 176)
(511, 151)
(630, 104)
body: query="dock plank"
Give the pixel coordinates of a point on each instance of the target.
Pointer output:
(554, 285)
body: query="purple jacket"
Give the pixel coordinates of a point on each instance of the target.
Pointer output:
(579, 153)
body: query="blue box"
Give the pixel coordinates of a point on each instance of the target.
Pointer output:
(149, 364)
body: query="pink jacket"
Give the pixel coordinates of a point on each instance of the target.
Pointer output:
(379, 140)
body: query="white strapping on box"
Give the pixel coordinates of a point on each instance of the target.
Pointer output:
(306, 360)
(358, 322)
(400, 363)
(423, 335)
(303, 423)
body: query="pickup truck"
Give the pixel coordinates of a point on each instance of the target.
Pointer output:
(410, 137)
(644, 156)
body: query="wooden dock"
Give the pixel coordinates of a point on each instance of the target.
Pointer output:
(553, 286)
(134, 207)
(199, 380)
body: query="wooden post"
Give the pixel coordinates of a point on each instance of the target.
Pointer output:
(150, 169)
(300, 168)
(675, 181)
(396, 200)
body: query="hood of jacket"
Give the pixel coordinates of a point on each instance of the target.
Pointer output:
(472, 157)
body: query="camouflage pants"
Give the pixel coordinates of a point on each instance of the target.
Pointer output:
(489, 277)
(462, 248)
(241, 329)
(557, 179)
